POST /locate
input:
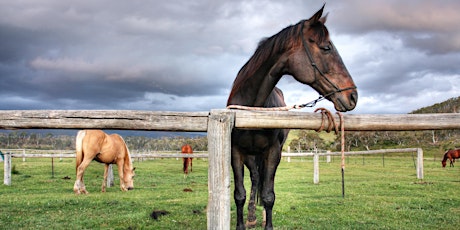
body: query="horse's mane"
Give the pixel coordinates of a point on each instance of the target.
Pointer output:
(274, 46)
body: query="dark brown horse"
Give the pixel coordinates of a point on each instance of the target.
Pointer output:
(187, 161)
(305, 51)
(450, 154)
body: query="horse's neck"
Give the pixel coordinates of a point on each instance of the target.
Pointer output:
(446, 156)
(255, 90)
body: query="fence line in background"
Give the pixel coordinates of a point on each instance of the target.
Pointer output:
(315, 155)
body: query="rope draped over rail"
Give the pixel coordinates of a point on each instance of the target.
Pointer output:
(284, 108)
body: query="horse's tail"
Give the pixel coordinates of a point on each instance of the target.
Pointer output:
(185, 162)
(79, 147)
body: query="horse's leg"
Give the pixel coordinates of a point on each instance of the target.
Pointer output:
(268, 192)
(120, 165)
(106, 174)
(239, 193)
(79, 186)
(254, 173)
(191, 164)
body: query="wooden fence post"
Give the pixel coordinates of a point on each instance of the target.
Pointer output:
(110, 176)
(419, 163)
(316, 167)
(220, 125)
(7, 169)
(289, 151)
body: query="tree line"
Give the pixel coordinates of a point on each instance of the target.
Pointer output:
(300, 140)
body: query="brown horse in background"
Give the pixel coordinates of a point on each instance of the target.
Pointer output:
(187, 161)
(103, 148)
(450, 154)
(304, 51)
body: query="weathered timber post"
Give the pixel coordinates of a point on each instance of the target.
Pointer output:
(419, 163)
(316, 167)
(110, 182)
(7, 169)
(289, 151)
(220, 125)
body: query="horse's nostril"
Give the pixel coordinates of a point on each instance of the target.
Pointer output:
(354, 97)
(130, 188)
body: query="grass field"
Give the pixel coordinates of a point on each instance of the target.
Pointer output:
(377, 196)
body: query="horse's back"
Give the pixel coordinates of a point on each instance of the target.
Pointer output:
(186, 149)
(102, 147)
(93, 140)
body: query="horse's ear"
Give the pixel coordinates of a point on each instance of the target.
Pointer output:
(324, 18)
(317, 16)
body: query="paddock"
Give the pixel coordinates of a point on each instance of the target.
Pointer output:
(218, 125)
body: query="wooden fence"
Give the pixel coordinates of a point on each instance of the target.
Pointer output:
(218, 124)
(9, 153)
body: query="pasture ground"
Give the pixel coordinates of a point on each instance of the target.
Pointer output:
(377, 196)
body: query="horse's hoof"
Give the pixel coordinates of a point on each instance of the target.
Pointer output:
(240, 227)
(251, 224)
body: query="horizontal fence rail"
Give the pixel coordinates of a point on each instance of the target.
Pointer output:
(218, 124)
(197, 121)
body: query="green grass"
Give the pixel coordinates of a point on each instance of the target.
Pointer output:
(377, 196)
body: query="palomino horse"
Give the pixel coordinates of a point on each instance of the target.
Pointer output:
(305, 51)
(450, 154)
(104, 148)
(187, 161)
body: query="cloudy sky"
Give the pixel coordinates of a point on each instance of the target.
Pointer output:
(184, 55)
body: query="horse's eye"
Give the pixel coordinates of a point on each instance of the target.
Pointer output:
(326, 48)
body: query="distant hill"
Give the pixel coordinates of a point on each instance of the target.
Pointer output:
(451, 105)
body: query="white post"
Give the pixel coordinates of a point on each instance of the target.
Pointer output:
(328, 157)
(316, 167)
(110, 176)
(419, 163)
(23, 155)
(7, 169)
(220, 125)
(289, 151)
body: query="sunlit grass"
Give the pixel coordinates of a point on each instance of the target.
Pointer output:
(378, 195)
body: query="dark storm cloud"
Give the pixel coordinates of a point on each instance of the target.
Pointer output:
(184, 55)
(430, 26)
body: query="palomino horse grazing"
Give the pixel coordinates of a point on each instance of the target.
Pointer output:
(306, 52)
(450, 154)
(187, 161)
(107, 149)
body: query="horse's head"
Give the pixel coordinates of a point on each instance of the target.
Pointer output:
(443, 163)
(316, 62)
(128, 178)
